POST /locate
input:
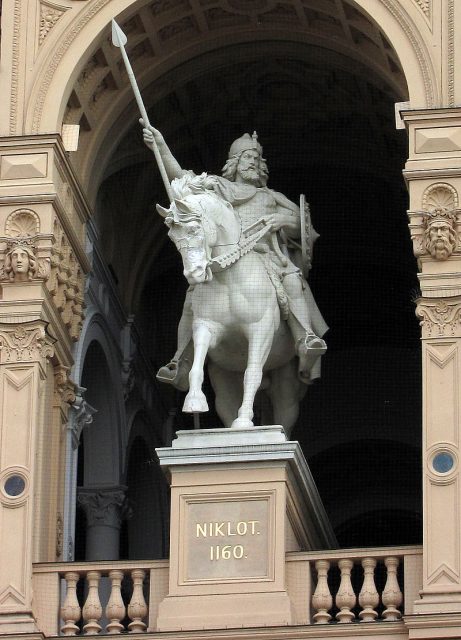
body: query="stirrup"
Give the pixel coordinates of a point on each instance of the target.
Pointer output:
(311, 344)
(175, 373)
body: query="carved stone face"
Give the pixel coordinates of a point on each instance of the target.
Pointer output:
(440, 239)
(20, 263)
(248, 167)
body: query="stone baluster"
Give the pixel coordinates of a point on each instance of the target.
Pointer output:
(345, 598)
(92, 609)
(115, 609)
(137, 609)
(392, 596)
(368, 597)
(322, 599)
(70, 609)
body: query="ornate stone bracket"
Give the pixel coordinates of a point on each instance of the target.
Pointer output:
(104, 506)
(81, 415)
(440, 318)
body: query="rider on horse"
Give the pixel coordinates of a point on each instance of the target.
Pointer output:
(243, 185)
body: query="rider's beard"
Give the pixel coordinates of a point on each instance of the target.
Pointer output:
(251, 176)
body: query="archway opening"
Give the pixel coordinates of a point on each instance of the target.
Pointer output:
(326, 122)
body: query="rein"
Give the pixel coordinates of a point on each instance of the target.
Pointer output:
(244, 246)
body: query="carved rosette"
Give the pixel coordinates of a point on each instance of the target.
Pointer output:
(27, 342)
(440, 318)
(105, 507)
(434, 230)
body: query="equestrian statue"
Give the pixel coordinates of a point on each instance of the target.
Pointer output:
(246, 250)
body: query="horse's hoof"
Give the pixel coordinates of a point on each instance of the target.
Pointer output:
(242, 423)
(195, 403)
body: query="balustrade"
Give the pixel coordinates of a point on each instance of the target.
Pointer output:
(81, 611)
(372, 604)
(349, 586)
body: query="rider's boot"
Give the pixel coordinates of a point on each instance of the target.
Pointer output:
(176, 372)
(309, 348)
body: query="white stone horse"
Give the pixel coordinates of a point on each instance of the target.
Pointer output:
(236, 315)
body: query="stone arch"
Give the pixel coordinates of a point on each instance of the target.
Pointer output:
(101, 450)
(147, 529)
(77, 43)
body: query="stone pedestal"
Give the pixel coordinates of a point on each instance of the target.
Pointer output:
(240, 499)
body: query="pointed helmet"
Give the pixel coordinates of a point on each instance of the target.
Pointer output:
(244, 143)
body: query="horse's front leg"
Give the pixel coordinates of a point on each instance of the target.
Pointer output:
(260, 336)
(195, 401)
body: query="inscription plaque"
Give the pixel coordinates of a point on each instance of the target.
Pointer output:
(227, 539)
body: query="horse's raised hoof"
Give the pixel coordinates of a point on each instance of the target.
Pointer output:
(195, 403)
(242, 423)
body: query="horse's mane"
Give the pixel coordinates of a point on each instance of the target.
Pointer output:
(185, 191)
(191, 184)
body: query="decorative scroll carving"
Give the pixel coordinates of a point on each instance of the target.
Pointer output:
(440, 319)
(425, 6)
(104, 507)
(49, 16)
(66, 283)
(26, 342)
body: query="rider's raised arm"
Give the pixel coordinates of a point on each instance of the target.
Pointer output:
(172, 166)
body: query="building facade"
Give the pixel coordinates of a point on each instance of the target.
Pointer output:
(356, 103)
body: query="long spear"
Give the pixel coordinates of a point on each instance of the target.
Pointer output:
(119, 40)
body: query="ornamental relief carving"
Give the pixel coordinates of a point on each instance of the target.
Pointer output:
(425, 6)
(439, 318)
(434, 229)
(27, 342)
(49, 15)
(66, 283)
(21, 262)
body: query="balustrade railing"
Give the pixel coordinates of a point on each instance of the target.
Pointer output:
(326, 587)
(362, 586)
(98, 598)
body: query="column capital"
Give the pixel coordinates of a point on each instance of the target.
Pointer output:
(104, 506)
(440, 317)
(25, 342)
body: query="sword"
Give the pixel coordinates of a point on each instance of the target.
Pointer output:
(119, 40)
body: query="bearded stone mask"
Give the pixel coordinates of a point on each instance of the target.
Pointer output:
(440, 236)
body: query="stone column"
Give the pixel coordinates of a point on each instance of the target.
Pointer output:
(105, 508)
(433, 173)
(80, 415)
(24, 350)
(42, 266)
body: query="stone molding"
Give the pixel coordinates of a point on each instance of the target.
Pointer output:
(26, 342)
(440, 318)
(104, 506)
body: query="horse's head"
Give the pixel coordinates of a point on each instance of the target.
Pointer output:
(196, 220)
(187, 231)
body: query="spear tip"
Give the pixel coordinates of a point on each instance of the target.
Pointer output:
(119, 39)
